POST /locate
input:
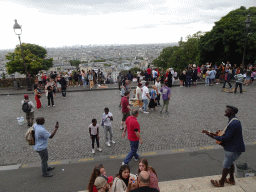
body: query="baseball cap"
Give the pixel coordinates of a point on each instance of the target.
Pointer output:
(25, 96)
(100, 182)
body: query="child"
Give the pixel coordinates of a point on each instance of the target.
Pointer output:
(94, 134)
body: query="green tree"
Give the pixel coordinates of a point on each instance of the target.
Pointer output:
(35, 59)
(75, 63)
(226, 41)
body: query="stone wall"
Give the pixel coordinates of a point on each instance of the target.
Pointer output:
(9, 82)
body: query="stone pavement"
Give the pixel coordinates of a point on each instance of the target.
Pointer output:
(191, 110)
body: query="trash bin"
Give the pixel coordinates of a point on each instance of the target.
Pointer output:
(16, 84)
(244, 170)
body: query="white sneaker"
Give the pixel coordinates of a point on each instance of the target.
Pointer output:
(99, 149)
(123, 163)
(108, 144)
(113, 141)
(53, 105)
(93, 151)
(146, 112)
(140, 110)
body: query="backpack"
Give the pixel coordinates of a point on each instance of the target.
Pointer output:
(30, 135)
(25, 107)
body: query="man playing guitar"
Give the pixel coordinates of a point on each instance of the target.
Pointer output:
(232, 141)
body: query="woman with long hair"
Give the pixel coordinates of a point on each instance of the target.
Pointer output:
(123, 180)
(97, 171)
(143, 166)
(38, 95)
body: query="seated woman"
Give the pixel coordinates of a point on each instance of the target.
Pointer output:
(124, 180)
(97, 171)
(143, 166)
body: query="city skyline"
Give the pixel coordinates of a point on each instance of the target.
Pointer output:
(67, 23)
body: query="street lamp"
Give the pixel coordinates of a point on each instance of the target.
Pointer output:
(18, 31)
(247, 25)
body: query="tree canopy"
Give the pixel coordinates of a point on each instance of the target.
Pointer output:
(226, 41)
(178, 57)
(75, 63)
(35, 59)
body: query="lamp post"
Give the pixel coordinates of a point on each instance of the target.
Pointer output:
(247, 25)
(17, 30)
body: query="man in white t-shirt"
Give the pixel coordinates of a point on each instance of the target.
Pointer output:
(158, 86)
(107, 117)
(145, 97)
(138, 97)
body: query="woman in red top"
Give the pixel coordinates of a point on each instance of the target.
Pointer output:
(143, 166)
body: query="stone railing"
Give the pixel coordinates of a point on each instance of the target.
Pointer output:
(9, 82)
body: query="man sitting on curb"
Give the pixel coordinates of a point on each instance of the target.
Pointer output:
(143, 182)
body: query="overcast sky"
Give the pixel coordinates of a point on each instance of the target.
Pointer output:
(56, 23)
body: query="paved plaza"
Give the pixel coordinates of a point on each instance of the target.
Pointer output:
(191, 110)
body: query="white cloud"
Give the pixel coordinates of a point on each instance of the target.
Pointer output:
(58, 23)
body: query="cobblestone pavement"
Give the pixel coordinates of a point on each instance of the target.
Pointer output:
(191, 110)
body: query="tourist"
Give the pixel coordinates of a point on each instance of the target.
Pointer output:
(149, 73)
(143, 183)
(38, 95)
(90, 78)
(107, 117)
(188, 77)
(133, 134)
(76, 78)
(166, 95)
(49, 92)
(232, 141)
(145, 97)
(41, 137)
(239, 80)
(212, 76)
(227, 79)
(158, 86)
(182, 78)
(101, 184)
(28, 109)
(94, 135)
(123, 180)
(138, 97)
(120, 79)
(97, 171)
(70, 78)
(153, 95)
(125, 108)
(207, 77)
(194, 75)
(143, 166)
(63, 85)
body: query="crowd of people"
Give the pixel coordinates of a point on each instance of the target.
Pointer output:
(145, 180)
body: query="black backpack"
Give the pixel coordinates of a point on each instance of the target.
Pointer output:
(25, 107)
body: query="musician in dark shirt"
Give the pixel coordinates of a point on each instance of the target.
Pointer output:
(233, 144)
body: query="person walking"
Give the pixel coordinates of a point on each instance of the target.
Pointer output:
(94, 134)
(233, 143)
(166, 96)
(132, 127)
(41, 142)
(227, 79)
(125, 108)
(28, 108)
(145, 97)
(106, 119)
(138, 97)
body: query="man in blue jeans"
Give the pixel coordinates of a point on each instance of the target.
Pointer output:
(41, 137)
(133, 134)
(145, 97)
(233, 143)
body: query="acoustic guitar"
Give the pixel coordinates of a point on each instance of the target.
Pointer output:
(221, 133)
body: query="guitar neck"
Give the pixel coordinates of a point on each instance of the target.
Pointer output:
(214, 134)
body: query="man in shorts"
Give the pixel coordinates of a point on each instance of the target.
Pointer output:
(233, 144)
(125, 108)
